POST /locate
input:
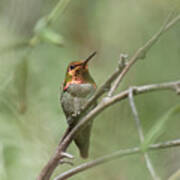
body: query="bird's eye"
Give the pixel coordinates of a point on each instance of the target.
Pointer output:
(71, 67)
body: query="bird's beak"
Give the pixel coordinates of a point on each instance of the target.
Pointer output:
(88, 59)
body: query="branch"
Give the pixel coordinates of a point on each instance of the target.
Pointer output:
(141, 52)
(105, 102)
(114, 156)
(121, 72)
(141, 134)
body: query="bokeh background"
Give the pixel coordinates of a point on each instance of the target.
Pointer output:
(31, 119)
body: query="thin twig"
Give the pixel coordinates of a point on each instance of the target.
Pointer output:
(115, 156)
(141, 134)
(141, 52)
(107, 84)
(135, 114)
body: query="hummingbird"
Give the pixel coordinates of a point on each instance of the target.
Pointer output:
(78, 87)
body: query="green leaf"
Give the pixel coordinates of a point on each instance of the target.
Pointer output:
(45, 33)
(48, 35)
(158, 128)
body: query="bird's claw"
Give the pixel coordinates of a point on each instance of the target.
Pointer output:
(62, 161)
(67, 155)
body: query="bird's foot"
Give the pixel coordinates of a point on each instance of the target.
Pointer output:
(62, 161)
(67, 156)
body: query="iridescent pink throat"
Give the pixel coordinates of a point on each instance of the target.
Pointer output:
(73, 81)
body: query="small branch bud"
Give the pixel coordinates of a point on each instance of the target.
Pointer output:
(122, 61)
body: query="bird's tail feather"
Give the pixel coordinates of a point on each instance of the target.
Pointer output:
(82, 141)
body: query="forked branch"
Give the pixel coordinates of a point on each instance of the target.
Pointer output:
(111, 99)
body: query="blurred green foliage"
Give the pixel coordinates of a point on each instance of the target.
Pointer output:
(31, 119)
(159, 127)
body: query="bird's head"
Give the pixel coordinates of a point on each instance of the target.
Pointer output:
(78, 73)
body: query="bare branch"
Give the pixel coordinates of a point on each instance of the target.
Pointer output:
(141, 134)
(141, 52)
(114, 156)
(105, 102)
